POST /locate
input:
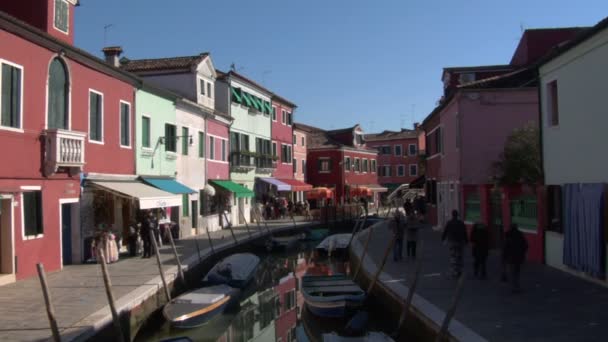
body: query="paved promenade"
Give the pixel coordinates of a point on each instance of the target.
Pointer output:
(78, 293)
(555, 306)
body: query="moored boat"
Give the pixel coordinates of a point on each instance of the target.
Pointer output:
(331, 296)
(197, 307)
(236, 270)
(334, 244)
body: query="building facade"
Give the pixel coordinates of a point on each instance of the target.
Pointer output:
(299, 155)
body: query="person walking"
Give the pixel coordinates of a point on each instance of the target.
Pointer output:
(407, 206)
(456, 234)
(514, 254)
(397, 226)
(147, 233)
(413, 224)
(480, 242)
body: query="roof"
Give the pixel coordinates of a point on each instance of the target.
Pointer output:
(24, 30)
(184, 63)
(306, 128)
(278, 98)
(389, 135)
(479, 68)
(580, 38)
(523, 77)
(341, 130)
(536, 43)
(223, 75)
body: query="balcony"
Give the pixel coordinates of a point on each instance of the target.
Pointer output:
(241, 161)
(265, 164)
(63, 149)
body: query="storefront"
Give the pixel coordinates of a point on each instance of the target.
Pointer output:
(233, 201)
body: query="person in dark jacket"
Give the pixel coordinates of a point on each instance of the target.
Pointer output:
(456, 234)
(397, 226)
(147, 233)
(480, 242)
(514, 254)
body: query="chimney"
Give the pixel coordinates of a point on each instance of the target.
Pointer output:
(112, 53)
(416, 124)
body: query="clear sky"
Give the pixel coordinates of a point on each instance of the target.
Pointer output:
(376, 63)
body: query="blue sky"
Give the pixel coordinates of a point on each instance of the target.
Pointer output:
(376, 63)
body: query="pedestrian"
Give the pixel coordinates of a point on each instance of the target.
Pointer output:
(480, 242)
(413, 224)
(147, 233)
(397, 226)
(456, 234)
(514, 254)
(307, 210)
(407, 206)
(364, 204)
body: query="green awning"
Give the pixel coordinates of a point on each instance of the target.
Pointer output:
(236, 97)
(267, 107)
(257, 103)
(237, 189)
(247, 99)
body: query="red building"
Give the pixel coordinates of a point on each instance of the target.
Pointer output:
(282, 136)
(62, 105)
(397, 156)
(341, 160)
(287, 318)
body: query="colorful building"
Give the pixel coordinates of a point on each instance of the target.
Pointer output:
(573, 124)
(397, 156)
(341, 161)
(299, 158)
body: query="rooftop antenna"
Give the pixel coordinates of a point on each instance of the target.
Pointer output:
(234, 68)
(105, 34)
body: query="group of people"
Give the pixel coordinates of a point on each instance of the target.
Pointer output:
(406, 226)
(141, 234)
(514, 250)
(276, 208)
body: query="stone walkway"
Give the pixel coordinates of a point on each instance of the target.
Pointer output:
(555, 306)
(78, 293)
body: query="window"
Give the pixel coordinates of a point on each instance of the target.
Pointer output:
(289, 119)
(384, 150)
(413, 170)
(125, 124)
(185, 139)
(387, 170)
(295, 142)
(58, 88)
(283, 117)
(435, 139)
(324, 165)
(211, 148)
(209, 92)
(274, 149)
(552, 104)
(303, 141)
(295, 165)
(11, 89)
(357, 165)
(303, 167)
(412, 149)
(400, 170)
(365, 161)
(286, 156)
(554, 208)
(398, 151)
(223, 150)
(472, 207)
(201, 144)
(359, 139)
(373, 166)
(170, 138)
(32, 213)
(209, 204)
(145, 131)
(347, 164)
(466, 77)
(61, 15)
(524, 211)
(95, 116)
(274, 113)
(185, 205)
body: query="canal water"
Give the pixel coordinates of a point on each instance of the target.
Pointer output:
(273, 309)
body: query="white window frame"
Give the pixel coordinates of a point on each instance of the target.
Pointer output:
(26, 188)
(374, 163)
(198, 147)
(364, 161)
(287, 114)
(290, 154)
(350, 166)
(321, 160)
(400, 150)
(67, 19)
(410, 170)
(273, 149)
(103, 136)
(274, 113)
(201, 88)
(283, 116)
(224, 146)
(303, 141)
(174, 124)
(355, 164)
(20, 67)
(149, 133)
(211, 155)
(402, 168)
(210, 87)
(409, 149)
(120, 125)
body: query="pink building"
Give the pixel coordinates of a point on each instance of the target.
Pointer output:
(299, 156)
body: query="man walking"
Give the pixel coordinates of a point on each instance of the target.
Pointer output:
(398, 231)
(514, 255)
(456, 234)
(147, 233)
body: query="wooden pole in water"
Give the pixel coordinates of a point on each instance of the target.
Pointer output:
(230, 227)
(384, 258)
(245, 220)
(410, 293)
(180, 270)
(160, 266)
(210, 243)
(198, 250)
(50, 312)
(451, 311)
(108, 285)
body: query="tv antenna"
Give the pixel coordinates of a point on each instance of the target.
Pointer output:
(105, 34)
(234, 68)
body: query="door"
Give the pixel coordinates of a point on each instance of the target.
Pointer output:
(194, 214)
(66, 233)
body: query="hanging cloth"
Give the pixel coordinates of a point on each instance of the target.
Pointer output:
(584, 246)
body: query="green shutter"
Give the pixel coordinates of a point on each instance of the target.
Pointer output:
(95, 116)
(257, 103)
(57, 95)
(201, 145)
(185, 205)
(267, 107)
(184, 141)
(247, 98)
(11, 96)
(145, 131)
(125, 129)
(236, 95)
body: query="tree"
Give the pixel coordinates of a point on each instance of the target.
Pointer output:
(520, 161)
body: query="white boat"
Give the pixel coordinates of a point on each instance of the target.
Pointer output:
(335, 243)
(196, 307)
(370, 337)
(236, 270)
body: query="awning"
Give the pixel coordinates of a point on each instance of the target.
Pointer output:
(375, 187)
(237, 189)
(319, 193)
(149, 197)
(281, 186)
(296, 185)
(169, 185)
(360, 190)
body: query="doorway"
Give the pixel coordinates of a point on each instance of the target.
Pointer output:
(66, 233)
(194, 214)
(7, 269)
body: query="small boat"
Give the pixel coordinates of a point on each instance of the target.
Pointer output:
(331, 296)
(370, 337)
(197, 307)
(337, 243)
(236, 270)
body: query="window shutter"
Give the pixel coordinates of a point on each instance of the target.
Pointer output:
(57, 97)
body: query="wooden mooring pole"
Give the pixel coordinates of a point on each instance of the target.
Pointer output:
(50, 312)
(441, 335)
(210, 244)
(180, 271)
(230, 227)
(160, 265)
(245, 220)
(384, 258)
(108, 284)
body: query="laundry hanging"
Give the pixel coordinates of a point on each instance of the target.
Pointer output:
(584, 246)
